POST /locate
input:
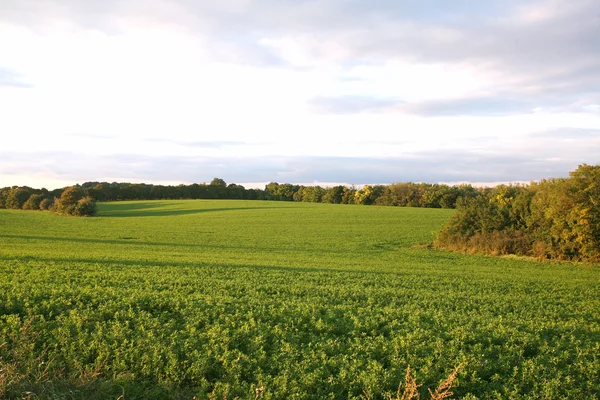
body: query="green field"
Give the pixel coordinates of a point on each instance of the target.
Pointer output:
(175, 299)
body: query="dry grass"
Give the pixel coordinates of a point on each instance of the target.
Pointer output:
(410, 389)
(443, 390)
(24, 368)
(21, 365)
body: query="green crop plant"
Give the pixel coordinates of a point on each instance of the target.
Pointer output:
(176, 299)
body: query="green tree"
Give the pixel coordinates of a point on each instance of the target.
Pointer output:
(284, 191)
(218, 182)
(235, 191)
(33, 202)
(586, 192)
(3, 196)
(73, 201)
(313, 194)
(85, 206)
(333, 195)
(367, 195)
(46, 204)
(299, 195)
(16, 197)
(565, 216)
(348, 195)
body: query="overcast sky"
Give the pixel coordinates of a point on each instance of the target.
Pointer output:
(297, 91)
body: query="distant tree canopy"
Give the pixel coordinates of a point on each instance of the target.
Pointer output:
(555, 218)
(70, 200)
(218, 182)
(73, 200)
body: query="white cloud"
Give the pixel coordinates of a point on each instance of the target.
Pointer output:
(303, 80)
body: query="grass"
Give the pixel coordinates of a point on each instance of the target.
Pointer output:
(218, 299)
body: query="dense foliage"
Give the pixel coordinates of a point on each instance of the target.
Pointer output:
(556, 218)
(405, 194)
(175, 299)
(72, 200)
(398, 194)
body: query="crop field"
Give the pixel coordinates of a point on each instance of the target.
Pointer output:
(277, 300)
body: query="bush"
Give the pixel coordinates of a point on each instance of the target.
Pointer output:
(46, 204)
(17, 197)
(74, 202)
(556, 218)
(501, 243)
(33, 202)
(85, 207)
(3, 196)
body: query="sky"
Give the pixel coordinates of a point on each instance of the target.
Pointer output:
(314, 92)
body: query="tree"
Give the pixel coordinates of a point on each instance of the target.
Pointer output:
(46, 204)
(333, 195)
(33, 202)
(85, 206)
(218, 182)
(3, 196)
(313, 194)
(284, 191)
(555, 218)
(565, 216)
(299, 195)
(16, 197)
(367, 195)
(348, 195)
(235, 191)
(586, 191)
(73, 201)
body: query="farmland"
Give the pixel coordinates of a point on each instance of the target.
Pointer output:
(176, 299)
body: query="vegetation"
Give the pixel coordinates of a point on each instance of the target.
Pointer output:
(405, 194)
(556, 218)
(411, 389)
(224, 299)
(72, 200)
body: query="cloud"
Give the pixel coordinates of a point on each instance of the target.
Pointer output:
(536, 159)
(164, 67)
(476, 106)
(351, 104)
(491, 105)
(9, 78)
(527, 43)
(568, 134)
(486, 106)
(429, 30)
(206, 144)
(91, 136)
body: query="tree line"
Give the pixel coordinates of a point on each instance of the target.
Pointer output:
(404, 194)
(72, 200)
(553, 218)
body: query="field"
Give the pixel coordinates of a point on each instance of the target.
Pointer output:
(216, 299)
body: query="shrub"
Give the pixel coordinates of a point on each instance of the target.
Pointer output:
(74, 202)
(85, 207)
(3, 196)
(556, 218)
(17, 197)
(33, 202)
(68, 200)
(501, 243)
(46, 204)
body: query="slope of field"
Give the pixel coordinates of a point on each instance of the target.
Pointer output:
(171, 299)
